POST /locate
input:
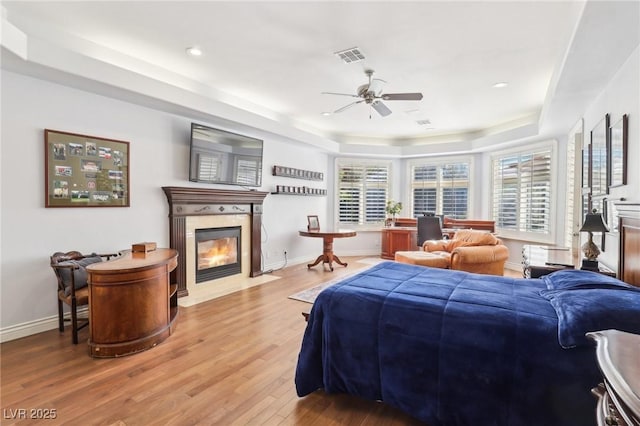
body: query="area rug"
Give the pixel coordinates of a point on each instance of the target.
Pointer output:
(309, 295)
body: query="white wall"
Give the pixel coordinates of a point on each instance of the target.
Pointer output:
(159, 149)
(620, 97)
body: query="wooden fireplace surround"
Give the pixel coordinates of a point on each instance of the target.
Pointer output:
(185, 202)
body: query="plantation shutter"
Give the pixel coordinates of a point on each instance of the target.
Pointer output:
(455, 190)
(363, 190)
(440, 189)
(522, 191)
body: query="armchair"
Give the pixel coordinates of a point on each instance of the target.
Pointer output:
(71, 275)
(472, 251)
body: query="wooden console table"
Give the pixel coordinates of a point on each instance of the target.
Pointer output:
(132, 305)
(538, 261)
(327, 255)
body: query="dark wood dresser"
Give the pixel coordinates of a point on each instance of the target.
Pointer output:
(619, 394)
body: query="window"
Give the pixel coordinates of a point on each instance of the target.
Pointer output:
(363, 188)
(522, 191)
(440, 188)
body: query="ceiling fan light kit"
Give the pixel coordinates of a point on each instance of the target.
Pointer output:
(371, 94)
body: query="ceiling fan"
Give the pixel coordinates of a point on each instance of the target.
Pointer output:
(371, 94)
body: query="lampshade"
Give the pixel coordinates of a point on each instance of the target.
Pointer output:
(594, 223)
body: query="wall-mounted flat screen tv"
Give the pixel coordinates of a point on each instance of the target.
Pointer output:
(219, 156)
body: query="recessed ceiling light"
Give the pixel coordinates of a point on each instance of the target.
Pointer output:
(326, 113)
(194, 51)
(500, 85)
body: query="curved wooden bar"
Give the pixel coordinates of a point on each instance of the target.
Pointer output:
(132, 305)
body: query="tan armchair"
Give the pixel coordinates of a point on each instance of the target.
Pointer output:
(472, 251)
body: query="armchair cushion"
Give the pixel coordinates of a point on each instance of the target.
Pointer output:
(79, 273)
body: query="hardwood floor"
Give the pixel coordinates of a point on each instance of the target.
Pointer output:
(231, 361)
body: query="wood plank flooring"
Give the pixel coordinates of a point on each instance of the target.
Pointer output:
(231, 361)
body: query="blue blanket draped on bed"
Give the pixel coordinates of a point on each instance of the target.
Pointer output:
(451, 348)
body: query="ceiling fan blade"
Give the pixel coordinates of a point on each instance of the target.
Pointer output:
(376, 86)
(340, 94)
(401, 96)
(347, 106)
(381, 108)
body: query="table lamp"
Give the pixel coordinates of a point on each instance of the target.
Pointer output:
(593, 222)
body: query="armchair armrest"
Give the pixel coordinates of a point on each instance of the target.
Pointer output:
(480, 254)
(435, 245)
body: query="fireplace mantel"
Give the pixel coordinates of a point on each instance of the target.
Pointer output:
(185, 202)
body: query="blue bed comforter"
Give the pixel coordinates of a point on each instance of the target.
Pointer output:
(454, 348)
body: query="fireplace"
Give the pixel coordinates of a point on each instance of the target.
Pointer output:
(218, 253)
(203, 208)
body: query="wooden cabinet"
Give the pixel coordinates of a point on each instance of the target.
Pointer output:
(618, 395)
(397, 239)
(132, 305)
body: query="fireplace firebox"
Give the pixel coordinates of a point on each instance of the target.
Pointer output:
(218, 253)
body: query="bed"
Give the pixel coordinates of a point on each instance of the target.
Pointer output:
(456, 348)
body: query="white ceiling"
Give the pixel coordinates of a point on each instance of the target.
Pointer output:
(275, 58)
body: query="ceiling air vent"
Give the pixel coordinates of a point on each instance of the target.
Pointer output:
(350, 55)
(423, 122)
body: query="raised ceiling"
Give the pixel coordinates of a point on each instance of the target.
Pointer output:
(275, 58)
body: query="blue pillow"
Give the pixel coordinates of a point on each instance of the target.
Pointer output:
(575, 278)
(583, 310)
(79, 275)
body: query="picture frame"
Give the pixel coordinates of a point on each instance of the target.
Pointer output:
(618, 152)
(599, 204)
(85, 171)
(599, 157)
(313, 223)
(586, 165)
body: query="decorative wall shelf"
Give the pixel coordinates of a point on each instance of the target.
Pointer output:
(298, 190)
(297, 173)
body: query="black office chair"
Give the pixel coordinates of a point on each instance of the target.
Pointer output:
(429, 228)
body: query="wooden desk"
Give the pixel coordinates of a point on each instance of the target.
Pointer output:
(132, 306)
(619, 394)
(327, 255)
(403, 238)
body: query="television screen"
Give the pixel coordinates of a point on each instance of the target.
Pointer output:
(218, 156)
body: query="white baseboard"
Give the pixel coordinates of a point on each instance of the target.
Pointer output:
(29, 328)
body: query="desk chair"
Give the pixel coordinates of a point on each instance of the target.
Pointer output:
(71, 275)
(429, 228)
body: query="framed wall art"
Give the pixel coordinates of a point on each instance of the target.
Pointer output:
(618, 152)
(599, 157)
(586, 165)
(85, 171)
